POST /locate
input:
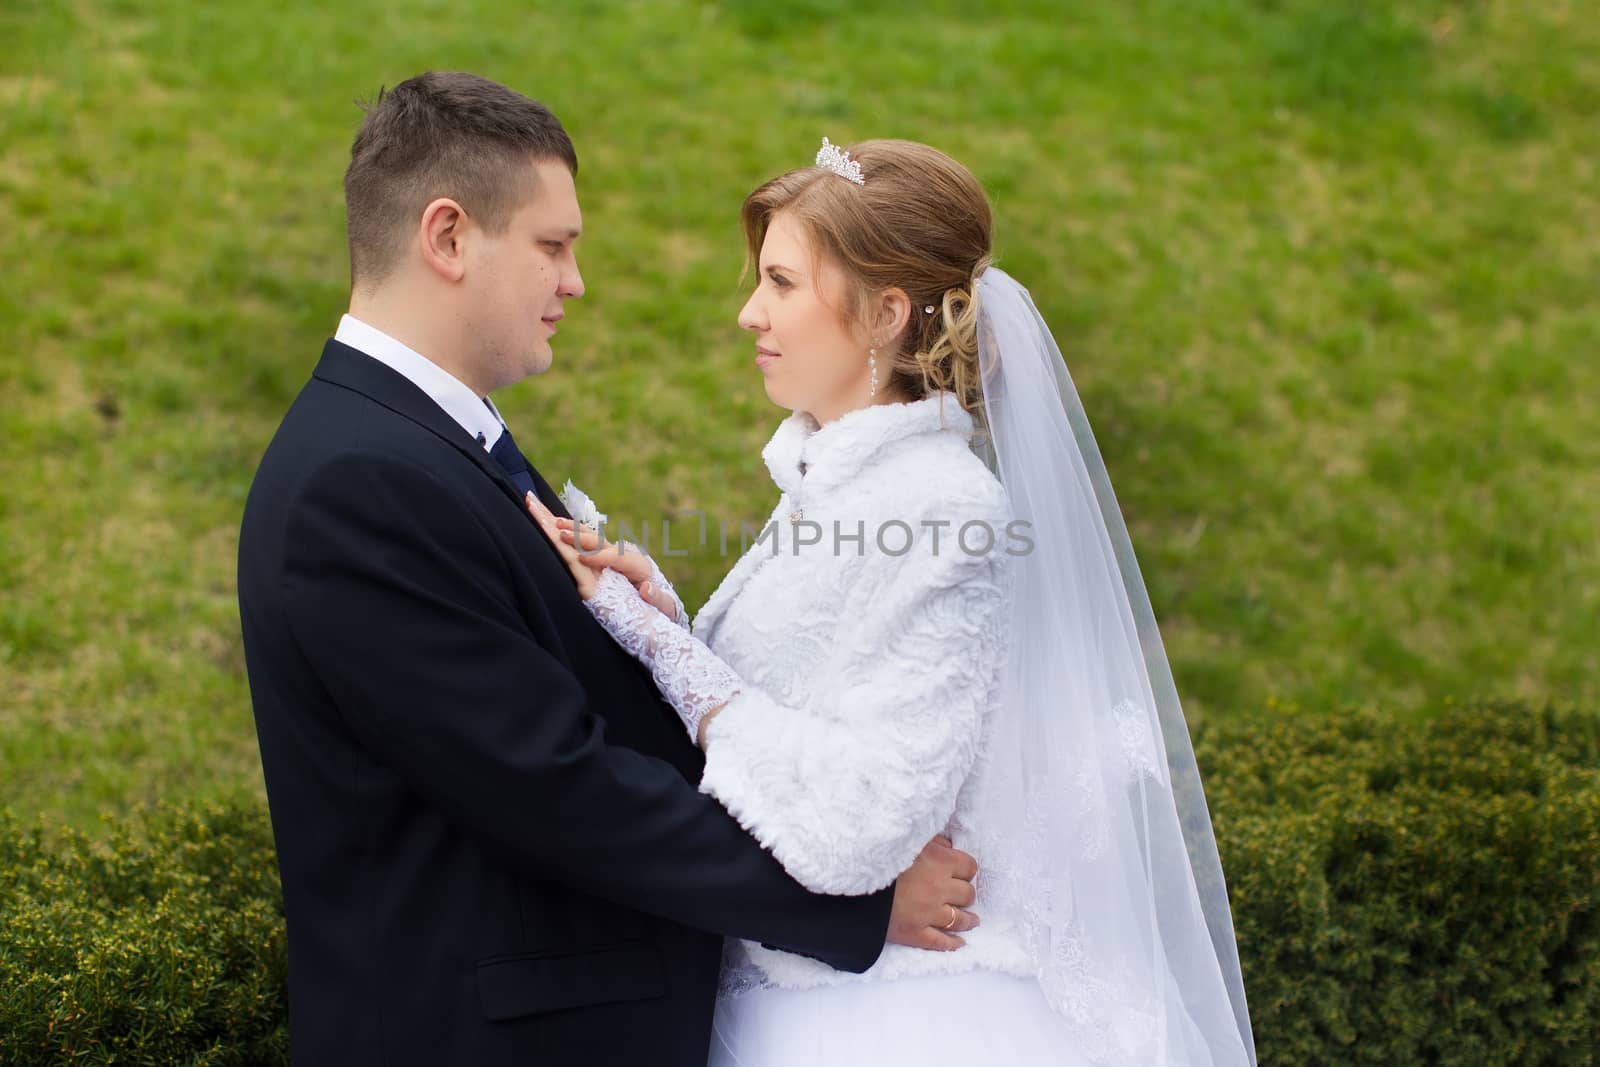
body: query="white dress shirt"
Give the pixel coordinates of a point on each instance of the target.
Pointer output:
(478, 416)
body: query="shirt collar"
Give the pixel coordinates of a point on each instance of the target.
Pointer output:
(477, 415)
(832, 454)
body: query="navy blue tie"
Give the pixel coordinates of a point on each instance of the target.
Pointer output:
(506, 453)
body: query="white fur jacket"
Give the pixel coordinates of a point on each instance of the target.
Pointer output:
(862, 634)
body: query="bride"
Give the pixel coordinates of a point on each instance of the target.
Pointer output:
(943, 628)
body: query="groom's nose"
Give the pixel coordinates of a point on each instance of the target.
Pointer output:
(571, 286)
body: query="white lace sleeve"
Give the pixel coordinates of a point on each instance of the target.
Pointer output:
(691, 677)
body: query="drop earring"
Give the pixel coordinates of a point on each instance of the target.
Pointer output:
(872, 365)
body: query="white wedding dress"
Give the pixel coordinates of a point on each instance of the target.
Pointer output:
(863, 668)
(912, 648)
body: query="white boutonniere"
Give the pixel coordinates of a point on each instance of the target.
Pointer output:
(583, 511)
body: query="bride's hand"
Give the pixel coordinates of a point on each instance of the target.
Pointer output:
(597, 556)
(626, 559)
(587, 578)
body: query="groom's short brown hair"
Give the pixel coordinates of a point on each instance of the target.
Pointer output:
(442, 134)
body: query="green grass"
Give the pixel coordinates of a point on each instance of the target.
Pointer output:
(1324, 271)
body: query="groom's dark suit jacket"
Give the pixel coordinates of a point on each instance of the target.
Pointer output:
(491, 845)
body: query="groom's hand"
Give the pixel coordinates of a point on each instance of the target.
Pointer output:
(931, 897)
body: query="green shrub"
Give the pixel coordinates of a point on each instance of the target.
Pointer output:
(1414, 892)
(162, 943)
(1403, 893)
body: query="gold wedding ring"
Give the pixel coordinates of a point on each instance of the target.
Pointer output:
(954, 915)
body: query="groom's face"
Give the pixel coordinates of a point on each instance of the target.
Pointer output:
(521, 279)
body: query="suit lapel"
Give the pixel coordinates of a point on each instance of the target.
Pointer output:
(352, 369)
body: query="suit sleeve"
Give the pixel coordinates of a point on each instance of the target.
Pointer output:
(400, 599)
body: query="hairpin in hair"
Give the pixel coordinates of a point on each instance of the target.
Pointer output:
(928, 310)
(832, 157)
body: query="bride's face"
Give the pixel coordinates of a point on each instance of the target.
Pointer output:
(810, 358)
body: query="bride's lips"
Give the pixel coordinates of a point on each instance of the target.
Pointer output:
(764, 356)
(551, 320)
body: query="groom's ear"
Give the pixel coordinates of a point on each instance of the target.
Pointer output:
(443, 223)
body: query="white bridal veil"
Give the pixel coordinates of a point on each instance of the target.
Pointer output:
(1089, 807)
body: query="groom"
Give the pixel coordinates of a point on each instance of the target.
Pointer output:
(491, 843)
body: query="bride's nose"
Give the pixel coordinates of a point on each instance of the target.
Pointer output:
(751, 316)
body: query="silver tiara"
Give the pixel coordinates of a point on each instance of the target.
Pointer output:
(832, 157)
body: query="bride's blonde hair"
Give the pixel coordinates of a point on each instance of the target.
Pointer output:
(919, 222)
